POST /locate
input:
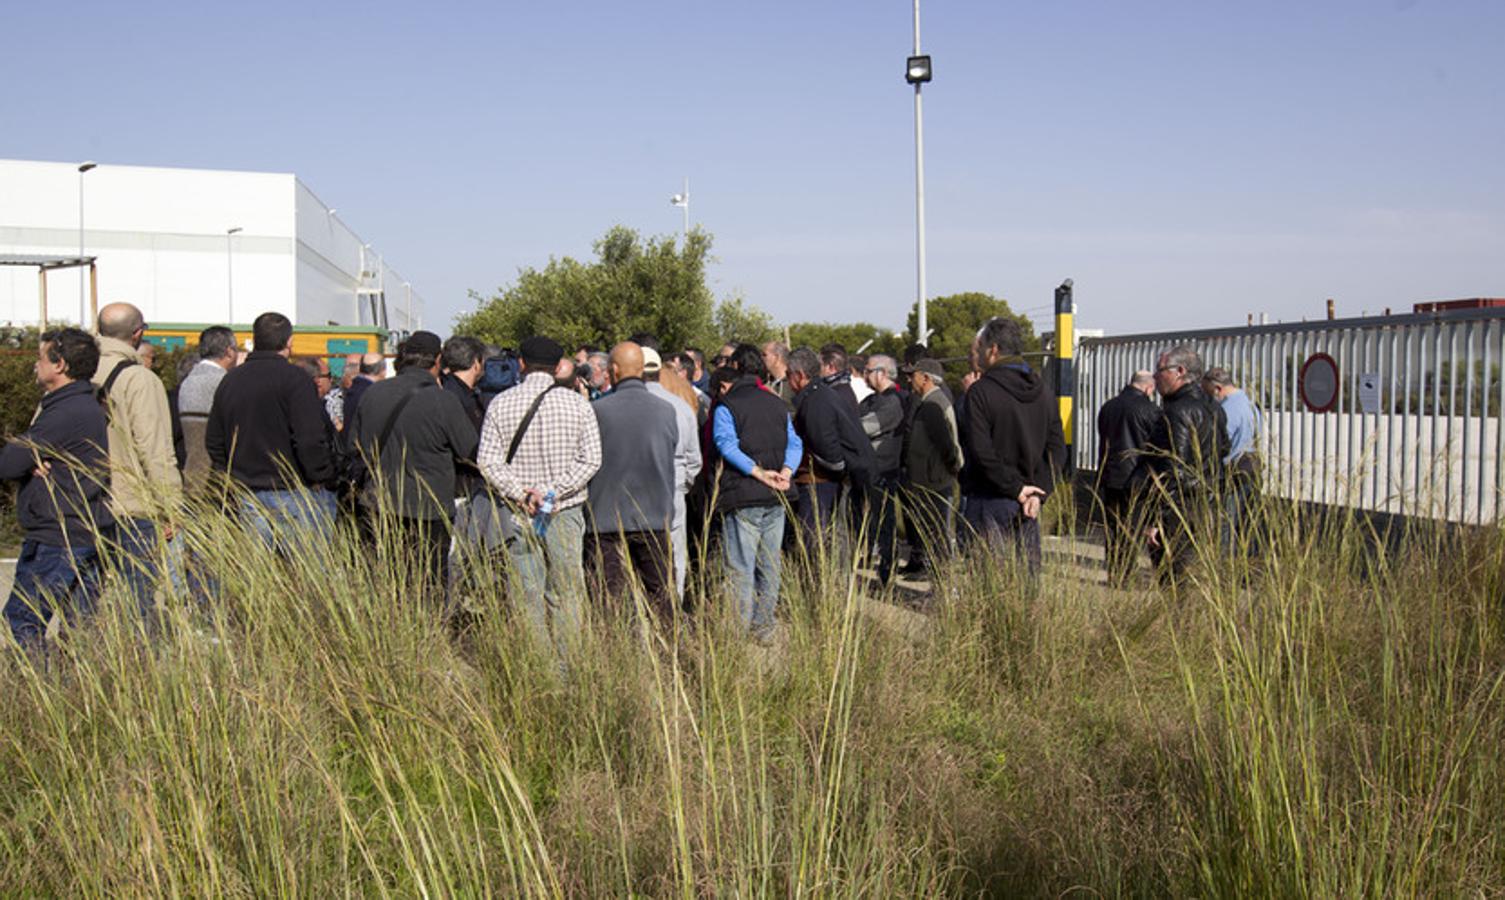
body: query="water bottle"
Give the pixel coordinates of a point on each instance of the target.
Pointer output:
(541, 518)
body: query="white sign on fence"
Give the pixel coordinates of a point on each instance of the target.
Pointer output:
(1369, 393)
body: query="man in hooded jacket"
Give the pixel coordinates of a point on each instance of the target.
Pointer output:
(1012, 441)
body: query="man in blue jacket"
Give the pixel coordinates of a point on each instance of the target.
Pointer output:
(61, 464)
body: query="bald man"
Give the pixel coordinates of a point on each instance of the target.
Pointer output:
(145, 487)
(373, 368)
(631, 505)
(1123, 427)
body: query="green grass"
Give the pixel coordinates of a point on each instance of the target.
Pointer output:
(1328, 722)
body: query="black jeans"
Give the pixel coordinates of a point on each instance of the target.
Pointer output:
(882, 520)
(1002, 523)
(619, 556)
(1122, 533)
(929, 523)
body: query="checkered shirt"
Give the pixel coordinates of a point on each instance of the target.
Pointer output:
(560, 451)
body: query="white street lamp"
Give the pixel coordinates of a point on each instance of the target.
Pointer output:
(683, 201)
(83, 167)
(230, 234)
(917, 72)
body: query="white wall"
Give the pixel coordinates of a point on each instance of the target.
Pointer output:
(159, 235)
(160, 238)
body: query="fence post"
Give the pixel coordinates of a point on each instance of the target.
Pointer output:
(1065, 370)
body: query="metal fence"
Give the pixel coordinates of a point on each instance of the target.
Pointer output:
(1415, 428)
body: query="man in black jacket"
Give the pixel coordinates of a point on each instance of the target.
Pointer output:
(1012, 440)
(266, 432)
(932, 459)
(61, 465)
(836, 449)
(1183, 463)
(882, 417)
(409, 435)
(1123, 427)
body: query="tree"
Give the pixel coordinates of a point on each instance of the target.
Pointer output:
(655, 285)
(851, 336)
(738, 323)
(954, 321)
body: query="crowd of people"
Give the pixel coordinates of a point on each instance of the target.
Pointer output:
(584, 475)
(1174, 473)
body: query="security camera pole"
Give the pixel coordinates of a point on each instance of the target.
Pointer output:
(917, 72)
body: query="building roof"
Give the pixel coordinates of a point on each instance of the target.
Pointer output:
(44, 260)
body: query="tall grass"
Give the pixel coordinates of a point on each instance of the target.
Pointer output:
(1327, 721)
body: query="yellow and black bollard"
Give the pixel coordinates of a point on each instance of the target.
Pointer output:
(1065, 365)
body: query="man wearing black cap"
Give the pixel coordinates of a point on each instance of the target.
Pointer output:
(408, 435)
(932, 460)
(539, 449)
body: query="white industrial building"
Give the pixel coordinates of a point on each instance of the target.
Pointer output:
(191, 246)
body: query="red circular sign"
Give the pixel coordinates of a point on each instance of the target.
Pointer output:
(1319, 383)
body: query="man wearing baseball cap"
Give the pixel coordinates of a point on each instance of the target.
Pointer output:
(410, 434)
(539, 449)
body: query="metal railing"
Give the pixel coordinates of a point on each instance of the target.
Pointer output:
(1422, 437)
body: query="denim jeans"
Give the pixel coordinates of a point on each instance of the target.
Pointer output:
(48, 575)
(752, 539)
(1002, 523)
(549, 578)
(286, 519)
(139, 557)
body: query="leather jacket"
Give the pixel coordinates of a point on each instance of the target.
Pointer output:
(1124, 425)
(1186, 449)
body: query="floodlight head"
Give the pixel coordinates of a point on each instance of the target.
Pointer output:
(917, 70)
(86, 166)
(677, 200)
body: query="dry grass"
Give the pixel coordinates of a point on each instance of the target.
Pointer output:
(1329, 722)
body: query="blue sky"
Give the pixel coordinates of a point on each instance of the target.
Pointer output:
(1183, 162)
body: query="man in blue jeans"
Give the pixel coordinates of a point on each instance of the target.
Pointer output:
(757, 442)
(1012, 442)
(61, 466)
(266, 431)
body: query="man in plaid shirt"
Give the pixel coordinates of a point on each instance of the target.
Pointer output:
(559, 452)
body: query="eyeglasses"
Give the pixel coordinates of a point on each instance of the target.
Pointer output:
(1165, 369)
(873, 371)
(323, 375)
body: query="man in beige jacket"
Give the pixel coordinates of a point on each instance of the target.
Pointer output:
(145, 487)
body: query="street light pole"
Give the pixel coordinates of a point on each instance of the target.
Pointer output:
(83, 321)
(408, 286)
(919, 178)
(683, 201)
(230, 234)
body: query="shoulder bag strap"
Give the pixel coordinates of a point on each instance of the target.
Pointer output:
(522, 427)
(104, 389)
(391, 423)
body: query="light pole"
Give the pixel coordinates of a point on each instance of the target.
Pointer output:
(83, 167)
(408, 286)
(917, 72)
(230, 234)
(683, 201)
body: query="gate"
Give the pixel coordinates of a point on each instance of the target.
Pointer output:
(1414, 429)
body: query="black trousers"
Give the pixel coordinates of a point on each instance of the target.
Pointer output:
(1122, 534)
(424, 545)
(621, 556)
(929, 524)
